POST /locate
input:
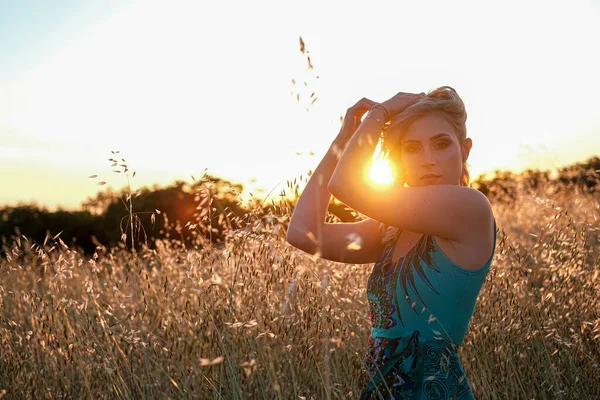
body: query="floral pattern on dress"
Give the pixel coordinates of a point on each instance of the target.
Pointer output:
(383, 281)
(434, 373)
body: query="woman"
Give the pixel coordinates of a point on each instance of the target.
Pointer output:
(432, 238)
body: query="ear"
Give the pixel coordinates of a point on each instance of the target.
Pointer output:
(467, 145)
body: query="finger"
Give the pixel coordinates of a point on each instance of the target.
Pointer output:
(362, 106)
(369, 102)
(365, 104)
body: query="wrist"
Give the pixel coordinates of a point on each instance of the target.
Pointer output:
(379, 113)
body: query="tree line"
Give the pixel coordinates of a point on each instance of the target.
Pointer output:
(207, 210)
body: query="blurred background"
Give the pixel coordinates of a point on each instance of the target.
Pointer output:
(251, 93)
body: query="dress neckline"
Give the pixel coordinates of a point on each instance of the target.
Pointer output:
(393, 247)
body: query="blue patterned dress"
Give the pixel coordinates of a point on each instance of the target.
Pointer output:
(420, 309)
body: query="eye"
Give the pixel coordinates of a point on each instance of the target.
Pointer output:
(443, 144)
(411, 149)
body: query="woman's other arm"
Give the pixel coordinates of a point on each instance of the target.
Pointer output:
(351, 242)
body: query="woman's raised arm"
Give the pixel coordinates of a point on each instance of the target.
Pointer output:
(307, 229)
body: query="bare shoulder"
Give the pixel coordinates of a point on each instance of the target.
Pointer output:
(448, 211)
(474, 249)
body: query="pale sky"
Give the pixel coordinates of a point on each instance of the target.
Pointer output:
(181, 86)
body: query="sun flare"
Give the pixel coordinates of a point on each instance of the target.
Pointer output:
(381, 171)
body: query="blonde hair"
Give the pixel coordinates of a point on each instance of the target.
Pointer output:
(443, 101)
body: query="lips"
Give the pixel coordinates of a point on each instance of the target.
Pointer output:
(430, 176)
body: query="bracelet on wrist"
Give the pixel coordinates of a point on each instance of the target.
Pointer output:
(386, 113)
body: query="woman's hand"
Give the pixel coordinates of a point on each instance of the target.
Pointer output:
(353, 118)
(401, 102)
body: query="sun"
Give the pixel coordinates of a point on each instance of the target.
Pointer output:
(381, 171)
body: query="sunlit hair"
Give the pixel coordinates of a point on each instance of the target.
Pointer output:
(443, 101)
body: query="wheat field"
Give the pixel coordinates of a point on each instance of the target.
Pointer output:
(256, 318)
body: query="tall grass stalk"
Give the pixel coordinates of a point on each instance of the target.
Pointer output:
(256, 318)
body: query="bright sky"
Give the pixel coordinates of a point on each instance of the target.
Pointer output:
(182, 86)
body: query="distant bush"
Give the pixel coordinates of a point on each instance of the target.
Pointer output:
(256, 318)
(203, 212)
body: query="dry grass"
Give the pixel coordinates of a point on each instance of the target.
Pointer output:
(258, 319)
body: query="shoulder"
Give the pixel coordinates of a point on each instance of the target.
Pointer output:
(448, 211)
(473, 250)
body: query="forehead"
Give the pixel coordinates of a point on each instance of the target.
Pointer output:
(427, 128)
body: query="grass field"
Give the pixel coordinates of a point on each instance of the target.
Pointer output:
(259, 319)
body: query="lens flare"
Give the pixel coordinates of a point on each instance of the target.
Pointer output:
(381, 171)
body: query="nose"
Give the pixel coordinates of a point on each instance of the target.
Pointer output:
(428, 157)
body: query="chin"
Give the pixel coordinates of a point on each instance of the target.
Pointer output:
(425, 183)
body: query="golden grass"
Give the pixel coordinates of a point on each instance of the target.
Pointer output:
(259, 319)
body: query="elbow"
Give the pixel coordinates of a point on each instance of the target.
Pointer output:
(332, 184)
(333, 188)
(293, 237)
(339, 192)
(302, 245)
(338, 186)
(299, 240)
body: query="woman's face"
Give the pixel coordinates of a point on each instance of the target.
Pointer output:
(430, 146)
